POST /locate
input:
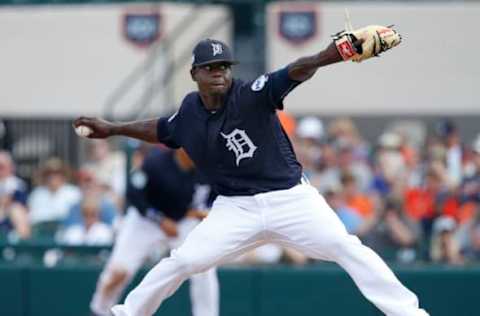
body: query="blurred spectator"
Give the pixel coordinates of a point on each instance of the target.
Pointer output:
(109, 167)
(448, 132)
(470, 188)
(347, 163)
(444, 247)
(468, 236)
(13, 195)
(90, 231)
(361, 203)
(427, 202)
(415, 168)
(472, 253)
(344, 131)
(53, 198)
(342, 151)
(349, 217)
(309, 135)
(394, 235)
(390, 166)
(90, 188)
(328, 173)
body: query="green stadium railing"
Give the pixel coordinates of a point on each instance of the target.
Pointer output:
(322, 289)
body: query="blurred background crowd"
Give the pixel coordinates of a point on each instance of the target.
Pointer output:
(412, 193)
(63, 204)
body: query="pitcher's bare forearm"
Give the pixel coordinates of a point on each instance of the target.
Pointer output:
(305, 67)
(143, 130)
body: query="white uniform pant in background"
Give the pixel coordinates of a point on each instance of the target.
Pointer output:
(299, 218)
(137, 238)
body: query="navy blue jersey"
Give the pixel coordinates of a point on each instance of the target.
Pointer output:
(162, 187)
(241, 148)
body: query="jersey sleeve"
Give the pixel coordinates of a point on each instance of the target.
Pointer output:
(167, 129)
(280, 86)
(273, 88)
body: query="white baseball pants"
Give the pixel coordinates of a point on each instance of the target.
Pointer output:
(299, 218)
(137, 238)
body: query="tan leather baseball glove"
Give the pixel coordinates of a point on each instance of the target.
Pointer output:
(369, 41)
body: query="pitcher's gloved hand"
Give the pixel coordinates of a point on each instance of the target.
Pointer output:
(369, 41)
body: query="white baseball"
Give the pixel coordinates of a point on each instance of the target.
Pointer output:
(83, 131)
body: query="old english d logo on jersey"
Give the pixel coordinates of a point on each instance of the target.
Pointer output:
(241, 145)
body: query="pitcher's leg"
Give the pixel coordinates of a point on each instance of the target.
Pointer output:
(134, 242)
(226, 232)
(204, 288)
(317, 231)
(204, 293)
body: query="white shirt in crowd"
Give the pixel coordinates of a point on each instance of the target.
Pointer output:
(98, 234)
(46, 205)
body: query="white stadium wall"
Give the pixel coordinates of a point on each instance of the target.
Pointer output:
(436, 70)
(64, 61)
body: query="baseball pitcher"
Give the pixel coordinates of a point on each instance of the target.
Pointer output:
(230, 130)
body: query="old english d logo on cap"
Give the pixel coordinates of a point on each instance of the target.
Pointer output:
(210, 51)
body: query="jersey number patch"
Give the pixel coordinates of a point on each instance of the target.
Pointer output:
(241, 145)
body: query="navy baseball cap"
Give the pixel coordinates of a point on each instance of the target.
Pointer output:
(210, 51)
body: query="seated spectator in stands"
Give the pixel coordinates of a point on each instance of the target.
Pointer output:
(328, 172)
(415, 168)
(361, 203)
(91, 230)
(469, 196)
(13, 195)
(53, 198)
(308, 137)
(390, 165)
(109, 167)
(343, 130)
(444, 247)
(347, 163)
(468, 236)
(90, 188)
(349, 217)
(472, 251)
(423, 204)
(448, 132)
(394, 235)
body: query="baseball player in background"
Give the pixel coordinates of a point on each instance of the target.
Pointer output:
(230, 130)
(166, 200)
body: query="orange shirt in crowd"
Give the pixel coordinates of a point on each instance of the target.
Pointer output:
(362, 204)
(460, 212)
(288, 122)
(419, 204)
